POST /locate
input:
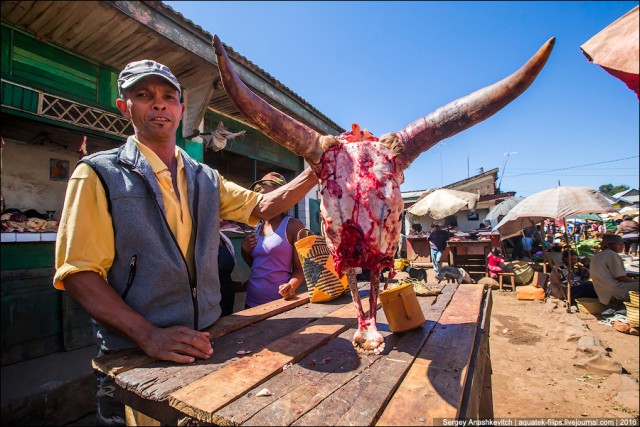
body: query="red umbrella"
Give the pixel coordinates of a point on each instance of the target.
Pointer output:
(616, 49)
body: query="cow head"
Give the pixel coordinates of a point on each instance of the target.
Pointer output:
(361, 174)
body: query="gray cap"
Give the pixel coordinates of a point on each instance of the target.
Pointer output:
(134, 71)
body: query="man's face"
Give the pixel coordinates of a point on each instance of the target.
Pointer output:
(154, 107)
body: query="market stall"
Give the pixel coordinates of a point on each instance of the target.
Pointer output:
(469, 251)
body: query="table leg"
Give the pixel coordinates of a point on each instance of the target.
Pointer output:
(135, 418)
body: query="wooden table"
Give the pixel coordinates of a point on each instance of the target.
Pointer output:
(470, 255)
(302, 353)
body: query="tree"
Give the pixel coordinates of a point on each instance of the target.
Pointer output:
(611, 189)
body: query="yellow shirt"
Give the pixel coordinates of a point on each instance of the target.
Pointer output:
(85, 239)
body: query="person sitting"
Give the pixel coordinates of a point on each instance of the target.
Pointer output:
(608, 274)
(276, 270)
(495, 263)
(571, 270)
(629, 229)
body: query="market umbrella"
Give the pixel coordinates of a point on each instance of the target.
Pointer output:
(443, 202)
(555, 203)
(502, 208)
(615, 49)
(558, 202)
(630, 210)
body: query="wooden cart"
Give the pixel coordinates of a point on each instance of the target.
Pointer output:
(302, 353)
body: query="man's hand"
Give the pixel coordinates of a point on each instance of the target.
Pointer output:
(248, 243)
(177, 344)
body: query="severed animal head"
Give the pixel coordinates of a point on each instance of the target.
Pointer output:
(360, 175)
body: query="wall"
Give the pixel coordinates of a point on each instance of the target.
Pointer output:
(463, 223)
(25, 177)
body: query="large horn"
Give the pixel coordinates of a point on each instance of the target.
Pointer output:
(465, 112)
(278, 126)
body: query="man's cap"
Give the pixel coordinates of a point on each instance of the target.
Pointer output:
(137, 70)
(609, 238)
(272, 178)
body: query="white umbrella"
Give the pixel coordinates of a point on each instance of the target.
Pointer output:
(502, 208)
(443, 202)
(555, 203)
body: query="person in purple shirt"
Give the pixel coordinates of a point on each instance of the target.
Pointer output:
(276, 270)
(438, 241)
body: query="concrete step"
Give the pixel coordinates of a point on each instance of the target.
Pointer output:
(55, 389)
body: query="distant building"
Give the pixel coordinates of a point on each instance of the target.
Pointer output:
(628, 197)
(483, 184)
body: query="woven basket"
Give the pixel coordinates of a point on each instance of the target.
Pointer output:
(633, 296)
(632, 314)
(319, 271)
(590, 305)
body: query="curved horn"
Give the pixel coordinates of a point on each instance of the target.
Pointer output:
(465, 112)
(278, 126)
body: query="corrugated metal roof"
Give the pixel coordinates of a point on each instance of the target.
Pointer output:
(205, 35)
(115, 33)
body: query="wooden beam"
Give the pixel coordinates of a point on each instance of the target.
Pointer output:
(195, 43)
(122, 361)
(433, 387)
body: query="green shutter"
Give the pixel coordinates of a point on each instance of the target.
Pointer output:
(5, 51)
(19, 97)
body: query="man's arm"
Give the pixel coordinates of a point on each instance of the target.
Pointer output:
(281, 199)
(178, 344)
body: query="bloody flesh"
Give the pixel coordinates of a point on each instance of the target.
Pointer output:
(361, 202)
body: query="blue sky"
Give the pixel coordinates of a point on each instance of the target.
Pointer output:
(384, 64)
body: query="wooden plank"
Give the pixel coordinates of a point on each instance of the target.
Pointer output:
(477, 401)
(146, 389)
(306, 384)
(361, 401)
(203, 397)
(433, 386)
(299, 388)
(116, 363)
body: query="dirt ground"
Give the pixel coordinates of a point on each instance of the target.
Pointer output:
(543, 366)
(548, 363)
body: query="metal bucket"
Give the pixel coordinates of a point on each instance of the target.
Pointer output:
(401, 307)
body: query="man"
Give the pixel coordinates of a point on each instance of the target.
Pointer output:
(139, 233)
(629, 229)
(438, 242)
(608, 274)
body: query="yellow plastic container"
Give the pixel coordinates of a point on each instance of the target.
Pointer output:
(400, 263)
(401, 307)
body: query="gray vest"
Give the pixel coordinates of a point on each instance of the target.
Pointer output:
(149, 270)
